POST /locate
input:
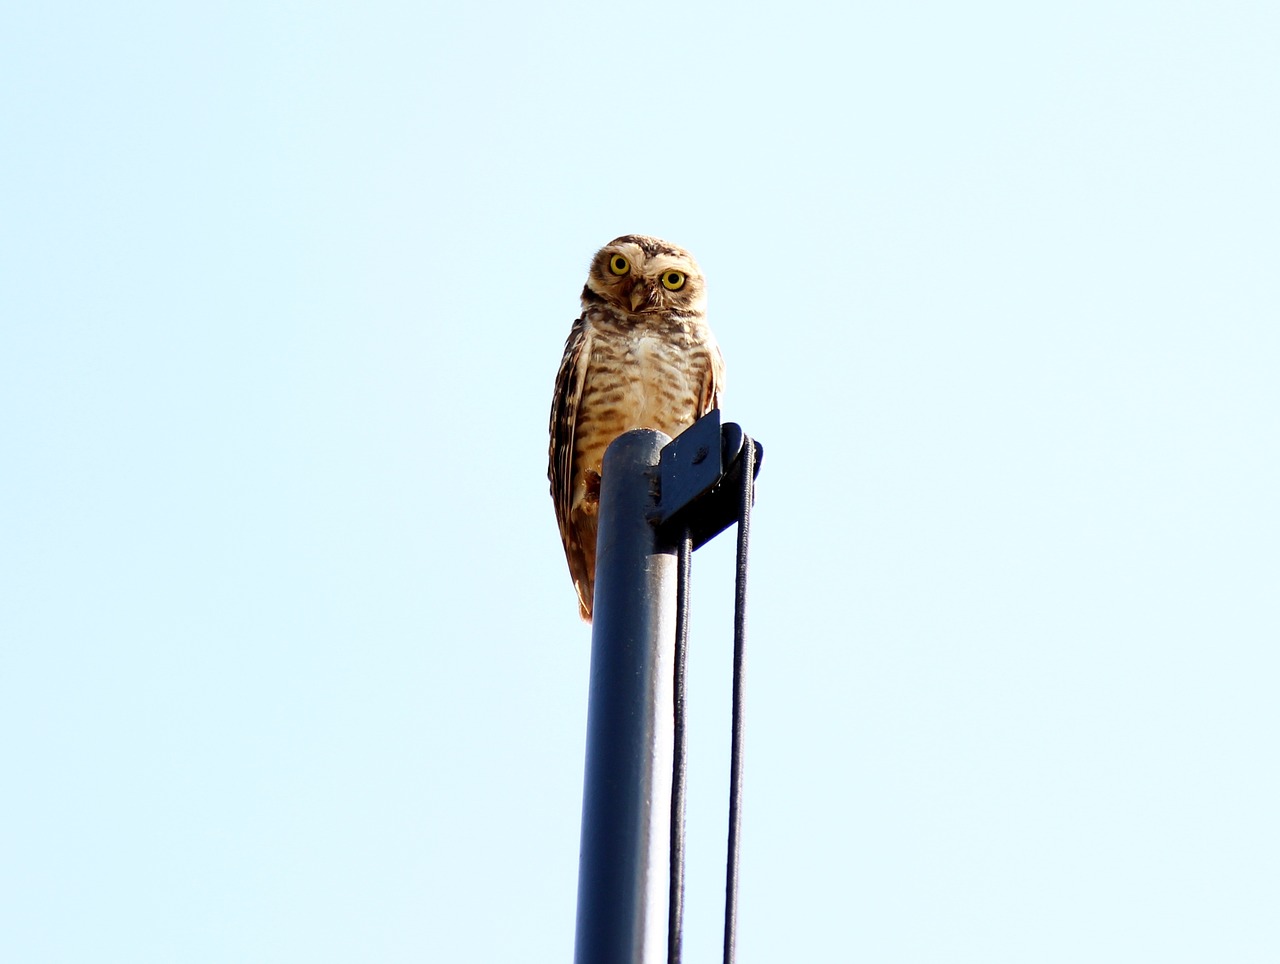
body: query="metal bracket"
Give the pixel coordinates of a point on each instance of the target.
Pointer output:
(700, 474)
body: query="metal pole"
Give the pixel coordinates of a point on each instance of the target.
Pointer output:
(623, 864)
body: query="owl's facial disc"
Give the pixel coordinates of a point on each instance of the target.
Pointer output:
(644, 275)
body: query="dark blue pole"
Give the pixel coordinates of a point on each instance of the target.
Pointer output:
(623, 864)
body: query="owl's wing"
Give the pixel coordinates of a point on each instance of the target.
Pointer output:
(564, 420)
(713, 383)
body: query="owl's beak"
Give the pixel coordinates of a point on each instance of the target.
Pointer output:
(645, 298)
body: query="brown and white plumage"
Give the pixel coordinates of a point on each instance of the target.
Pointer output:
(640, 356)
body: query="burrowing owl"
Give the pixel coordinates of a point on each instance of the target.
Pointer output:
(640, 356)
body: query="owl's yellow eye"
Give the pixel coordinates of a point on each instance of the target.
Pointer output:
(619, 265)
(672, 280)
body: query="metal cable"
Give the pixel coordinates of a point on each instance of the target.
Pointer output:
(675, 918)
(675, 912)
(739, 665)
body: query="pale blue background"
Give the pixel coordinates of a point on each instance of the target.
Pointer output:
(290, 667)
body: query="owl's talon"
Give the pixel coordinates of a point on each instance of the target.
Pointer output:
(592, 493)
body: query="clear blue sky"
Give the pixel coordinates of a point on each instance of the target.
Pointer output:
(289, 664)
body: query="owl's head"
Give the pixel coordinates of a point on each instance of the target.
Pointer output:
(645, 275)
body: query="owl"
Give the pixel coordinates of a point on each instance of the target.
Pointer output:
(641, 355)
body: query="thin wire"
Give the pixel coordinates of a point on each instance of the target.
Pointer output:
(739, 667)
(675, 904)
